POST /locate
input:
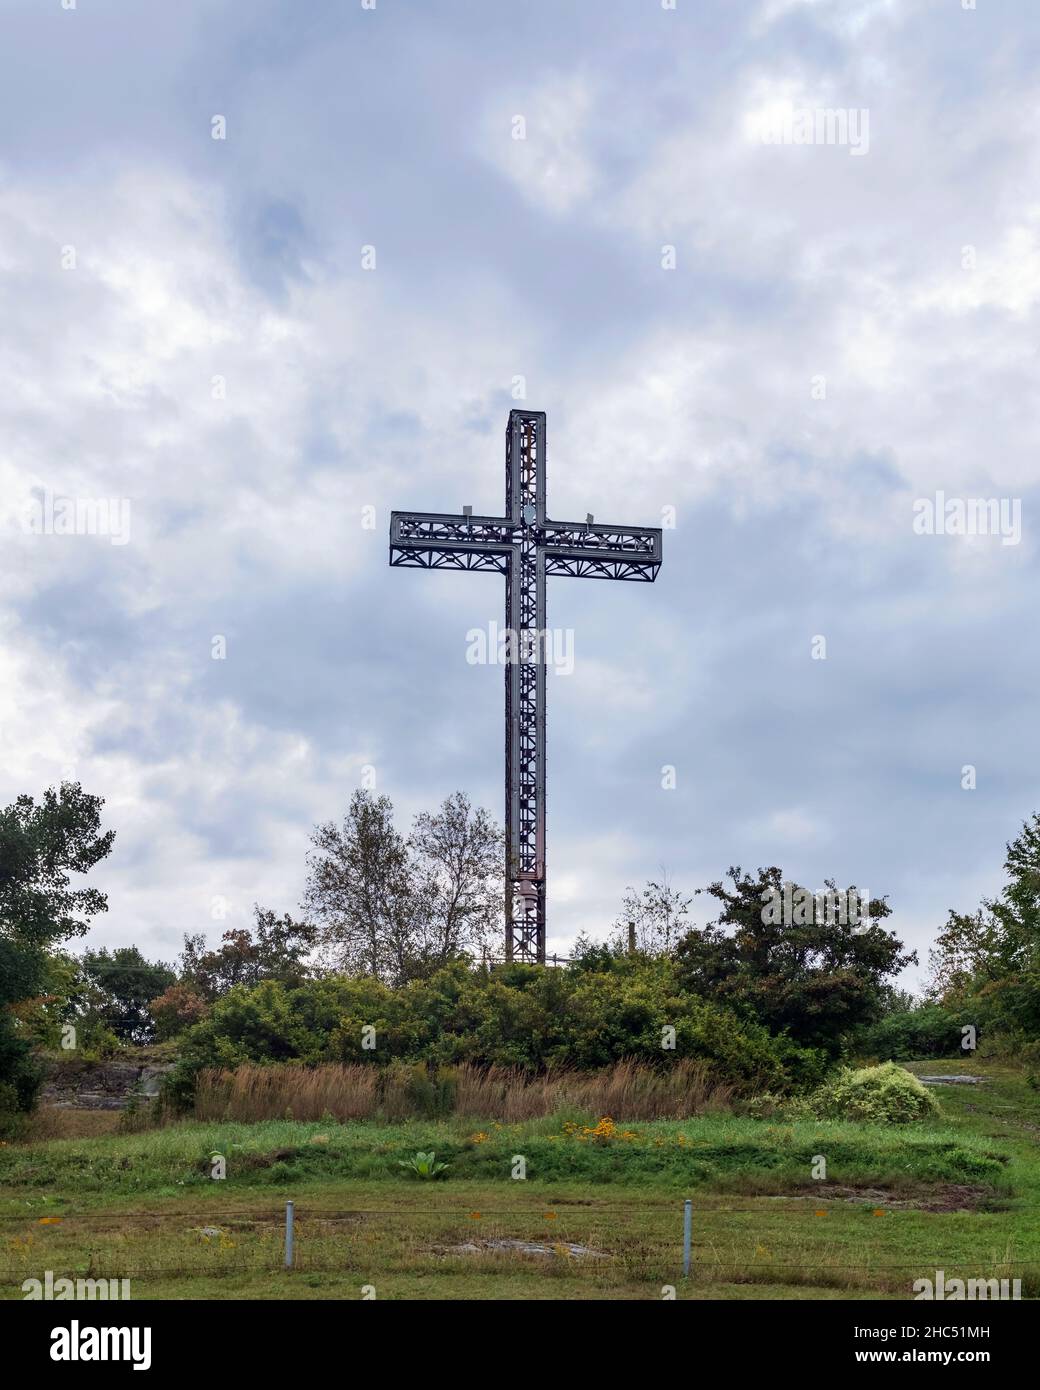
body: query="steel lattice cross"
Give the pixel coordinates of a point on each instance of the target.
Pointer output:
(525, 546)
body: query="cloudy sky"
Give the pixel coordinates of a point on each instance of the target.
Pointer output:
(788, 342)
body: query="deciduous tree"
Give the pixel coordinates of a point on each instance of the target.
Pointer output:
(458, 860)
(819, 979)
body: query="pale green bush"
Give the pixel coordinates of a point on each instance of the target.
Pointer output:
(885, 1095)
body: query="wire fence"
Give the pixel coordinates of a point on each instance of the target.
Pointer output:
(676, 1236)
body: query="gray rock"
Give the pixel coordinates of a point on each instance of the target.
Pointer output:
(952, 1080)
(75, 1085)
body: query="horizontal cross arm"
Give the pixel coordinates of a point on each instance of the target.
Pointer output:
(443, 540)
(598, 551)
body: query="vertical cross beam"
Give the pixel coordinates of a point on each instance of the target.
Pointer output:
(525, 691)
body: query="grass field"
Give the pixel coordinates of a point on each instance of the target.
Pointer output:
(961, 1195)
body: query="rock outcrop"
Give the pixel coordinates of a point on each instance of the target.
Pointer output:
(79, 1085)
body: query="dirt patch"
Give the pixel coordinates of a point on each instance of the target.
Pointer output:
(559, 1249)
(945, 1197)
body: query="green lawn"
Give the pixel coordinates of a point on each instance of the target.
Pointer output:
(960, 1195)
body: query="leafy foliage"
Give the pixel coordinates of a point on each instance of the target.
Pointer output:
(987, 963)
(926, 1030)
(818, 980)
(423, 1165)
(277, 949)
(20, 1076)
(457, 858)
(884, 1095)
(176, 1009)
(398, 909)
(117, 988)
(526, 1016)
(40, 846)
(360, 891)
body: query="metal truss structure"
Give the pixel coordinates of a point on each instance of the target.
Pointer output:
(526, 547)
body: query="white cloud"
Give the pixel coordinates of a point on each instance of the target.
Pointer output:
(690, 388)
(551, 163)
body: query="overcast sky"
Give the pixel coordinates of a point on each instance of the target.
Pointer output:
(187, 323)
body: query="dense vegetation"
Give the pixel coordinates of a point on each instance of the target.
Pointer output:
(985, 976)
(516, 1015)
(391, 966)
(341, 1055)
(40, 846)
(958, 1193)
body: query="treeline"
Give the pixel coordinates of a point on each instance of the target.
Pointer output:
(984, 987)
(761, 1005)
(102, 1000)
(377, 902)
(392, 961)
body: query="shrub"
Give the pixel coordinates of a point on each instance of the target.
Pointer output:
(930, 1030)
(876, 1095)
(20, 1075)
(1012, 1046)
(96, 1042)
(139, 1113)
(175, 1010)
(521, 1017)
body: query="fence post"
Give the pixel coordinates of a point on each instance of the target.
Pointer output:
(687, 1233)
(288, 1235)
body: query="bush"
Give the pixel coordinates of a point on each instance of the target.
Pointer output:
(97, 1042)
(20, 1075)
(930, 1030)
(176, 1009)
(523, 1017)
(885, 1095)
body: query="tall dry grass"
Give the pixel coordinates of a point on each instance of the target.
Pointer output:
(355, 1091)
(625, 1091)
(68, 1122)
(348, 1092)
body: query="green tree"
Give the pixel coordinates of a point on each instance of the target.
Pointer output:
(817, 979)
(990, 959)
(361, 893)
(22, 976)
(40, 846)
(399, 909)
(118, 987)
(458, 867)
(276, 949)
(45, 1011)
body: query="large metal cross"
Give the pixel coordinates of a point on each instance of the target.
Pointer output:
(525, 546)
